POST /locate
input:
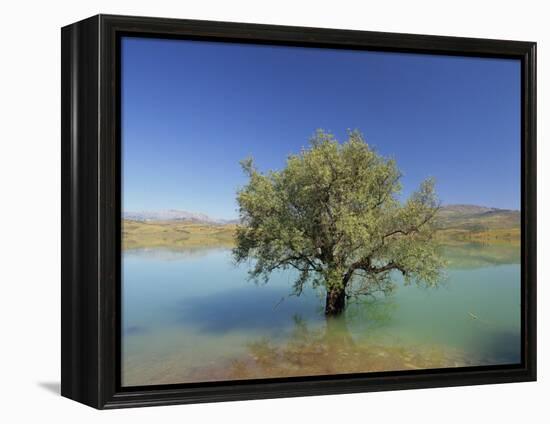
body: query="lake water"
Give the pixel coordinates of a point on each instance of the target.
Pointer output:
(191, 316)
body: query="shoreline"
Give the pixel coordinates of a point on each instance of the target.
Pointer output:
(186, 234)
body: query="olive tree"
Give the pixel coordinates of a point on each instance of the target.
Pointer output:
(334, 216)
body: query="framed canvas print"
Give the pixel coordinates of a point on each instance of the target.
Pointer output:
(254, 211)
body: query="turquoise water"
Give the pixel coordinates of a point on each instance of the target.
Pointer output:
(191, 315)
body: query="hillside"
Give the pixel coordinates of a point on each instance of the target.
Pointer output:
(476, 218)
(175, 234)
(458, 224)
(479, 224)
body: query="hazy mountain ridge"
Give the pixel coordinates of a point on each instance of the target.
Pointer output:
(460, 216)
(176, 215)
(476, 218)
(467, 209)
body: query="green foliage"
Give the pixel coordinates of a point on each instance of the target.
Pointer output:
(333, 215)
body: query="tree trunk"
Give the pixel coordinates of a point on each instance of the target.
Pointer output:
(337, 334)
(336, 301)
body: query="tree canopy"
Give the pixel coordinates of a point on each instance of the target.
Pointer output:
(333, 215)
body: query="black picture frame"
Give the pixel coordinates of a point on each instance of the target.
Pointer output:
(91, 206)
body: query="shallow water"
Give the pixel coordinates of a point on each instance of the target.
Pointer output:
(191, 315)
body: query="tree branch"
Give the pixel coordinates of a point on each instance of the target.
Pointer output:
(415, 228)
(365, 265)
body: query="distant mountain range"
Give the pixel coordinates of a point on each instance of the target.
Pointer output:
(477, 218)
(467, 217)
(176, 215)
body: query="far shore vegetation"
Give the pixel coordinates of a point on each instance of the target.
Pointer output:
(176, 234)
(185, 234)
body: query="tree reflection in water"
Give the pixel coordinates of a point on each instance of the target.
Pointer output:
(328, 350)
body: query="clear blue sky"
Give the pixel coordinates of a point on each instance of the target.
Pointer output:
(192, 110)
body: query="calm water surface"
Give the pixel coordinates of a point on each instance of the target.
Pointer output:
(191, 315)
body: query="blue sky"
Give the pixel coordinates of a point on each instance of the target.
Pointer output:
(191, 110)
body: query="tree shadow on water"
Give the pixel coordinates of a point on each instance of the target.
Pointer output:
(248, 309)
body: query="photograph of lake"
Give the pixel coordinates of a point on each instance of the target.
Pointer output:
(295, 211)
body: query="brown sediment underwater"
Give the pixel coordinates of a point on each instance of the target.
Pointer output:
(307, 353)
